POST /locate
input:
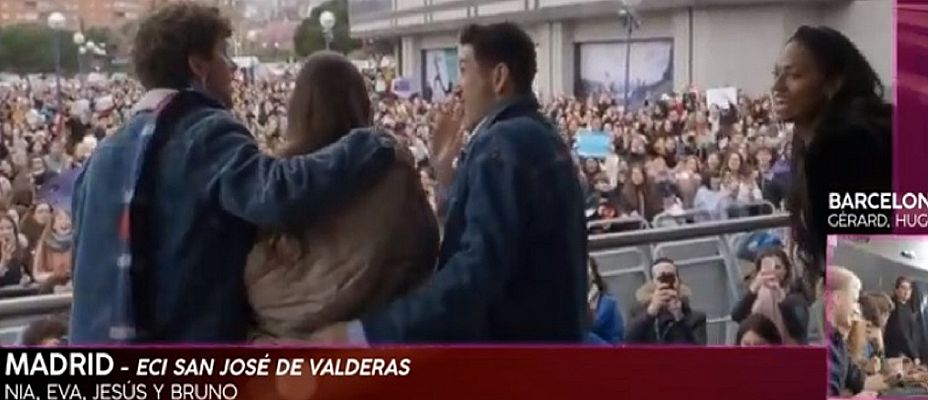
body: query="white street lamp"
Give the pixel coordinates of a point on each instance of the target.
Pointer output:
(251, 37)
(82, 50)
(56, 20)
(78, 38)
(327, 21)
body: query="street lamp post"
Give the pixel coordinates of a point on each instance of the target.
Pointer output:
(94, 50)
(56, 22)
(327, 21)
(79, 41)
(251, 37)
(631, 21)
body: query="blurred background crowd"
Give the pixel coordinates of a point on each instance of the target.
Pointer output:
(677, 160)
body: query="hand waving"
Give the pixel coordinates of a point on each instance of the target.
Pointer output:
(447, 140)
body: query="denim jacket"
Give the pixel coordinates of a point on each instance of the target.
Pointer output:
(512, 266)
(194, 215)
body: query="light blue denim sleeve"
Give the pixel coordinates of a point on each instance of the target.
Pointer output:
(356, 333)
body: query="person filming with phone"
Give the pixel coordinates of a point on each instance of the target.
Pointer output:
(664, 314)
(775, 293)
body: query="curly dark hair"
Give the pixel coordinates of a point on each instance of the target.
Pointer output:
(169, 36)
(762, 326)
(53, 327)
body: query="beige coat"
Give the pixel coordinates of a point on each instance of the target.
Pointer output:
(371, 251)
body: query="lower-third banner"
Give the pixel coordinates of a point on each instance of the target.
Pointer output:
(224, 373)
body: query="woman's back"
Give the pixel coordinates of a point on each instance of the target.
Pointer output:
(375, 249)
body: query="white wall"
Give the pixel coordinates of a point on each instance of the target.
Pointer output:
(734, 45)
(737, 46)
(869, 23)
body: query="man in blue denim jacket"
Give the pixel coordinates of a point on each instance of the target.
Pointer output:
(166, 210)
(512, 266)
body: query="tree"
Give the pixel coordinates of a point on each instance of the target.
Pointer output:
(309, 37)
(30, 48)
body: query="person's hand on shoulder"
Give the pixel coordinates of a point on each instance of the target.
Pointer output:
(331, 335)
(402, 152)
(875, 383)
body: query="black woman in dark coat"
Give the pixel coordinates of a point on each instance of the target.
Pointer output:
(842, 131)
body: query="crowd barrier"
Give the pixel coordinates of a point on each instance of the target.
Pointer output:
(630, 222)
(703, 251)
(693, 215)
(16, 313)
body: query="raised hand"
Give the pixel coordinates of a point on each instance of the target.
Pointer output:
(8, 248)
(447, 140)
(661, 298)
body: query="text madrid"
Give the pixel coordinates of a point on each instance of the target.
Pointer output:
(101, 364)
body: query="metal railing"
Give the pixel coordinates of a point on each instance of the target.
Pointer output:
(704, 252)
(624, 257)
(729, 211)
(637, 222)
(701, 229)
(34, 305)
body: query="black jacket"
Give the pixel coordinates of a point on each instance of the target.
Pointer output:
(662, 329)
(12, 275)
(903, 333)
(920, 302)
(774, 187)
(795, 310)
(851, 152)
(842, 373)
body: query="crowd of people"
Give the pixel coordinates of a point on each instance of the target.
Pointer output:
(878, 340)
(673, 155)
(45, 140)
(310, 168)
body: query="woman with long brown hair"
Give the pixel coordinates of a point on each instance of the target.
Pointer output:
(638, 194)
(775, 292)
(13, 256)
(35, 221)
(52, 261)
(375, 248)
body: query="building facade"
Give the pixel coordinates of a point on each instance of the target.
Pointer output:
(581, 44)
(79, 13)
(94, 13)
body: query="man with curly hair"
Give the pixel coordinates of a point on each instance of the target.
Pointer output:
(168, 208)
